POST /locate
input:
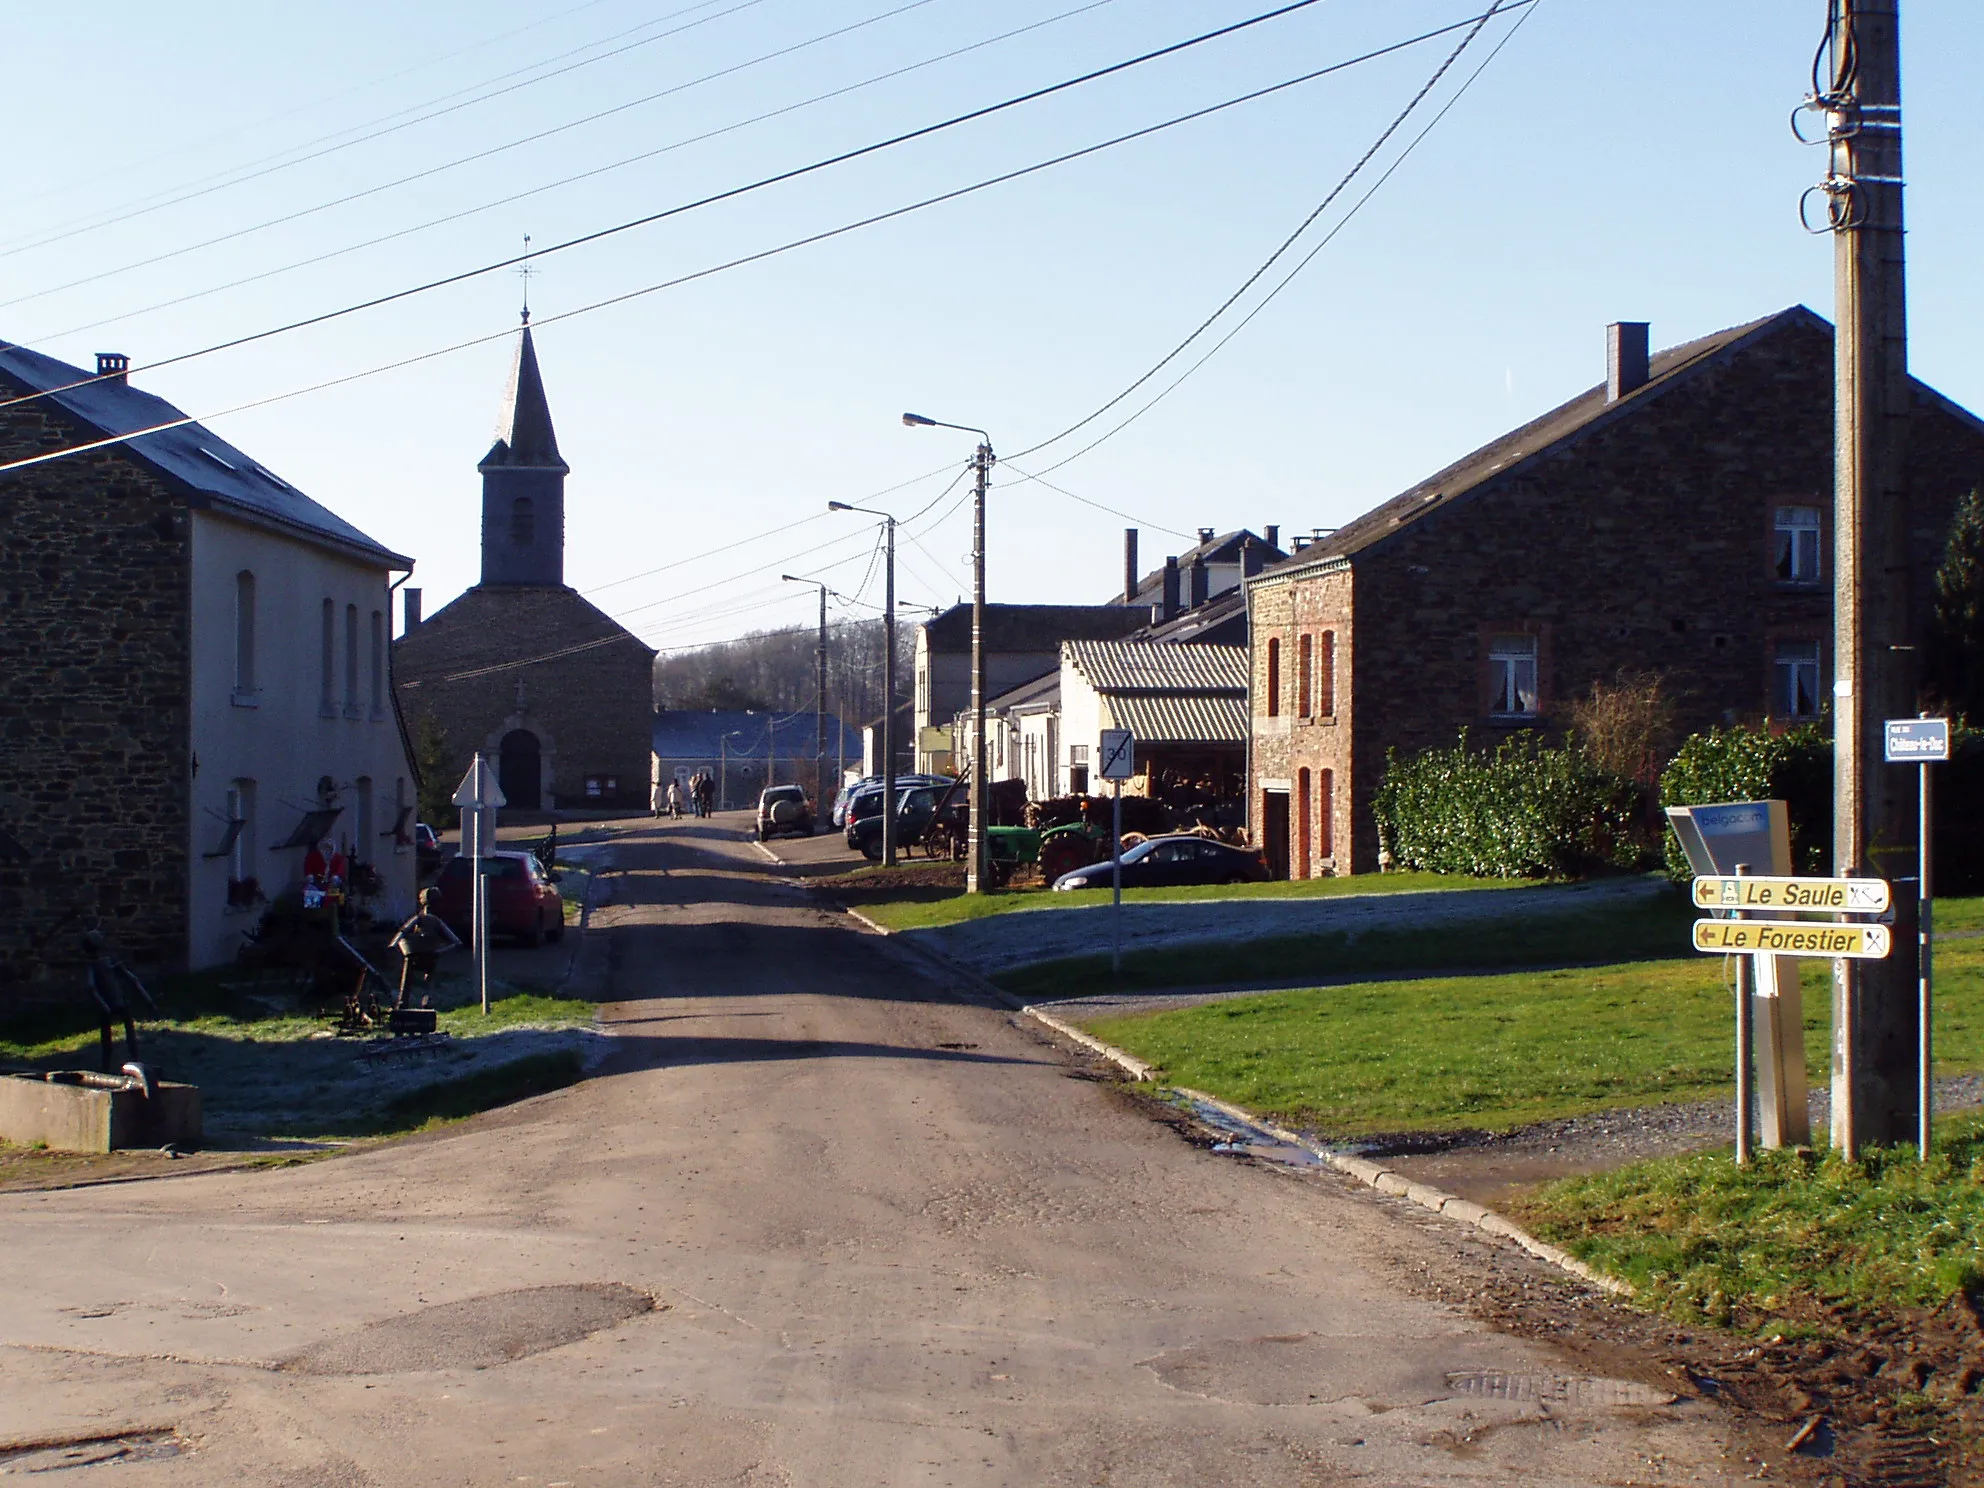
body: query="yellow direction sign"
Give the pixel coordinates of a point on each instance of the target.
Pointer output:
(1834, 895)
(1793, 938)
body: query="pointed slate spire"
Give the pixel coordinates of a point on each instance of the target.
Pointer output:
(524, 436)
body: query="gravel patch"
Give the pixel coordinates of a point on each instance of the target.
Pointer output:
(1003, 942)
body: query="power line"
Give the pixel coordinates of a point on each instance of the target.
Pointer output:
(1085, 501)
(254, 175)
(585, 175)
(342, 93)
(435, 170)
(1302, 263)
(1497, 7)
(796, 172)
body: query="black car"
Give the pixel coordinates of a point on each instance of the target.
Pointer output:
(864, 799)
(916, 808)
(1161, 861)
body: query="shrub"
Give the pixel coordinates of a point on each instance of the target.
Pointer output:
(1521, 810)
(1626, 725)
(1752, 764)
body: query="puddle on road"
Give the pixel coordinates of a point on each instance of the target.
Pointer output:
(475, 1333)
(91, 1451)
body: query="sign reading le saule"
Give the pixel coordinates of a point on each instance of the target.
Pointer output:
(1844, 895)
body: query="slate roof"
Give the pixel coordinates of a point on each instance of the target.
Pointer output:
(680, 734)
(524, 436)
(1016, 627)
(1540, 436)
(484, 628)
(1142, 667)
(190, 457)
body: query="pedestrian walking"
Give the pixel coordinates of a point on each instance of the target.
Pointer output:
(656, 800)
(675, 800)
(420, 942)
(709, 796)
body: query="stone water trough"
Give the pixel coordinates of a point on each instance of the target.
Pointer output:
(81, 1111)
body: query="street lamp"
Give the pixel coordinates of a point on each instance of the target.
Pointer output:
(820, 689)
(723, 768)
(888, 680)
(981, 464)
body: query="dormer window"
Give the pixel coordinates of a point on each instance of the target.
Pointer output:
(523, 522)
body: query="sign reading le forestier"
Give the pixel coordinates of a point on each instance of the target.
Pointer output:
(1792, 938)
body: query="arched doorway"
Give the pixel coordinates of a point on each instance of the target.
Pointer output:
(520, 770)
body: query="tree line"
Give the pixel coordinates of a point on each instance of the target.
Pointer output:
(773, 671)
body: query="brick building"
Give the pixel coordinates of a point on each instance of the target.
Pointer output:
(553, 690)
(1676, 519)
(193, 684)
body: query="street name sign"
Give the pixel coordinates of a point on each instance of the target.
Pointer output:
(1117, 751)
(1793, 938)
(1918, 741)
(1839, 895)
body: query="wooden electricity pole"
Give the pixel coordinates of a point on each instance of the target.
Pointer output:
(1874, 660)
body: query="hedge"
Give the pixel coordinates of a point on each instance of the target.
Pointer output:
(1750, 764)
(1521, 810)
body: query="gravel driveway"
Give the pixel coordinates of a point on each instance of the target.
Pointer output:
(1001, 942)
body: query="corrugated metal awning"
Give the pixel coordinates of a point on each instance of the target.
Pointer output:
(1187, 718)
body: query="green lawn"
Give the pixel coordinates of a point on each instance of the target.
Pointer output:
(1769, 1246)
(923, 908)
(1499, 1051)
(1652, 928)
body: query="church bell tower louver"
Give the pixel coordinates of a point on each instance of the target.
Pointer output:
(523, 485)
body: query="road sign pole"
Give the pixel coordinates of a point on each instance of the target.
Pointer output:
(1116, 882)
(1925, 1073)
(1745, 986)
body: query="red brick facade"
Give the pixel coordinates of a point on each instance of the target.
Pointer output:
(1639, 534)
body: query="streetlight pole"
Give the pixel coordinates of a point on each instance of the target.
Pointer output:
(819, 693)
(981, 465)
(888, 679)
(723, 768)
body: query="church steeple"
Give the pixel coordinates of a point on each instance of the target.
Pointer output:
(523, 483)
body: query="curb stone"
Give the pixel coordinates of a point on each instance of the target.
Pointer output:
(1373, 1175)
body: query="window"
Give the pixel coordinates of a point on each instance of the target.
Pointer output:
(1326, 814)
(1512, 676)
(244, 639)
(351, 661)
(1796, 559)
(1797, 689)
(1078, 769)
(523, 521)
(1274, 676)
(1302, 833)
(378, 664)
(1305, 676)
(326, 702)
(1326, 675)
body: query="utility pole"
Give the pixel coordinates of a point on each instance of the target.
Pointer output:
(820, 797)
(889, 698)
(1874, 811)
(981, 796)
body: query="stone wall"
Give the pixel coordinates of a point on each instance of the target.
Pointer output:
(94, 754)
(547, 662)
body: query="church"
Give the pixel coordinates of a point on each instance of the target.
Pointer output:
(553, 690)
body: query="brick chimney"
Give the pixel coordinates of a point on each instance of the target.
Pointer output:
(1200, 587)
(1271, 535)
(412, 602)
(1130, 574)
(112, 365)
(1625, 358)
(1170, 603)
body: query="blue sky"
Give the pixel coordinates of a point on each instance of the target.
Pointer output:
(1615, 161)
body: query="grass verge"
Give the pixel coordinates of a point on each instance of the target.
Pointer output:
(1656, 927)
(1499, 1051)
(906, 902)
(1792, 1237)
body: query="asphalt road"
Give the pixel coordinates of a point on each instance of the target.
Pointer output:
(818, 1222)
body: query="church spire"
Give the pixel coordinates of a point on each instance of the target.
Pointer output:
(524, 435)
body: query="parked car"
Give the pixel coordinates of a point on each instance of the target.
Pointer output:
(523, 902)
(784, 808)
(916, 808)
(864, 798)
(426, 849)
(1183, 859)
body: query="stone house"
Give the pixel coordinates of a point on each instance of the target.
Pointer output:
(193, 681)
(1675, 519)
(557, 693)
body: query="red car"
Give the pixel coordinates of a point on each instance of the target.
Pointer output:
(522, 901)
